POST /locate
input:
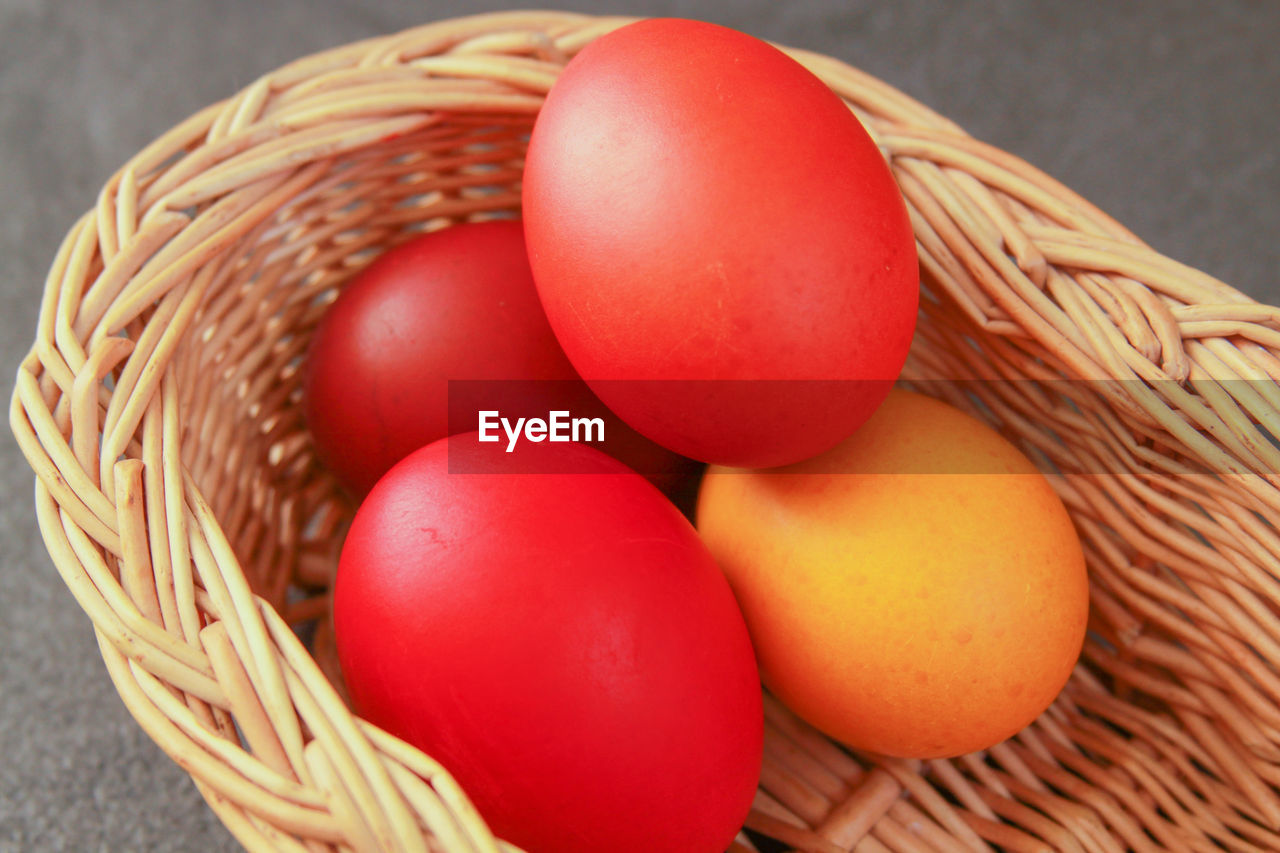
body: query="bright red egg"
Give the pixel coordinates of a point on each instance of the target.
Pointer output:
(719, 245)
(456, 306)
(562, 642)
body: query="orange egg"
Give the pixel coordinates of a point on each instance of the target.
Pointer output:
(917, 591)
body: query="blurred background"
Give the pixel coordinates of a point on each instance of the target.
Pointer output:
(1162, 112)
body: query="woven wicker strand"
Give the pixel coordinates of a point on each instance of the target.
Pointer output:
(179, 499)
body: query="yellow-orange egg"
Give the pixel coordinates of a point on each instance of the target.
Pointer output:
(918, 591)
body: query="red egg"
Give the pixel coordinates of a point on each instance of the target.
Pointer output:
(719, 245)
(429, 334)
(458, 304)
(562, 642)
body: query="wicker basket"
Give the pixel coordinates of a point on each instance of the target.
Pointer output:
(179, 499)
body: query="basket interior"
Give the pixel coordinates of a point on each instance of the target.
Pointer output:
(244, 440)
(248, 452)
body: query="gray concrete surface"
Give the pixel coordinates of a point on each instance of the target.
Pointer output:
(1164, 113)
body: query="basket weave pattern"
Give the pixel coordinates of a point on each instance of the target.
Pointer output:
(180, 501)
